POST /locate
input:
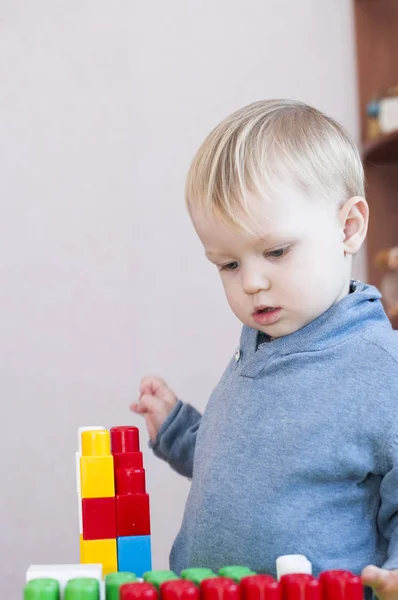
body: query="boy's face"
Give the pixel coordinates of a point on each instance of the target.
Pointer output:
(291, 273)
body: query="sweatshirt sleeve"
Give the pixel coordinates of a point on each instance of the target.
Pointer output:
(176, 439)
(388, 511)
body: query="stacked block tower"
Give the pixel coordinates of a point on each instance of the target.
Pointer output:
(114, 512)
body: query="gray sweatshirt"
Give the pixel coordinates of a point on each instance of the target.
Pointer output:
(297, 450)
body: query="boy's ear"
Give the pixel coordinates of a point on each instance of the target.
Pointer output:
(354, 218)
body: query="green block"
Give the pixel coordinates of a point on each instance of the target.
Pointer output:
(113, 581)
(82, 588)
(158, 577)
(41, 589)
(197, 575)
(236, 572)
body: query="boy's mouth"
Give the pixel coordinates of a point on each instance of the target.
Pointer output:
(266, 315)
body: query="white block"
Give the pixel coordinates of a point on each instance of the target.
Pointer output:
(292, 563)
(102, 590)
(64, 572)
(80, 509)
(78, 478)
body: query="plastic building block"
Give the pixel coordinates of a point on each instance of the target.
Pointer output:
(197, 575)
(82, 589)
(138, 591)
(99, 518)
(96, 465)
(86, 428)
(125, 446)
(130, 481)
(125, 439)
(132, 515)
(79, 453)
(179, 590)
(95, 442)
(156, 578)
(80, 514)
(113, 581)
(292, 563)
(63, 573)
(78, 479)
(340, 585)
(128, 460)
(96, 474)
(219, 588)
(100, 551)
(134, 554)
(260, 587)
(236, 572)
(300, 586)
(42, 589)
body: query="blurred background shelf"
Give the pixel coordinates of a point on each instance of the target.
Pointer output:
(384, 149)
(376, 23)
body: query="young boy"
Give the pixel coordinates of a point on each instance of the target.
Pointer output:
(297, 450)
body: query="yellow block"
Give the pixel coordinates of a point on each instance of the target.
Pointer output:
(96, 442)
(97, 477)
(99, 551)
(81, 548)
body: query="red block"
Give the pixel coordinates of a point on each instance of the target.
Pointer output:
(219, 588)
(127, 460)
(179, 590)
(137, 591)
(300, 587)
(99, 518)
(260, 587)
(130, 481)
(132, 514)
(125, 439)
(340, 585)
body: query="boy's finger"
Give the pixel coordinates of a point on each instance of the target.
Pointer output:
(149, 403)
(375, 577)
(137, 408)
(153, 380)
(151, 385)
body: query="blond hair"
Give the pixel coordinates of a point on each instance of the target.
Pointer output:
(266, 142)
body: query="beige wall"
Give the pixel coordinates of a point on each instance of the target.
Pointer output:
(102, 105)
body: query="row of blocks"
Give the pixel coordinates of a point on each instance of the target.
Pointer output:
(231, 583)
(114, 511)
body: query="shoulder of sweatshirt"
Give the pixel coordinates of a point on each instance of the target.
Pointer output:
(374, 362)
(382, 343)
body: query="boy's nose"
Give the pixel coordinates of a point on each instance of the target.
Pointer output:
(253, 282)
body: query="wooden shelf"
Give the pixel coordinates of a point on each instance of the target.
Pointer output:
(377, 62)
(384, 149)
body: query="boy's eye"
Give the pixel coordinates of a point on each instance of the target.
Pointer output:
(278, 253)
(230, 266)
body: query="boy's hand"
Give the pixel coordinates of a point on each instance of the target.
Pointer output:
(155, 403)
(383, 582)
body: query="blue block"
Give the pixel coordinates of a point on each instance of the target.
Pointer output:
(134, 554)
